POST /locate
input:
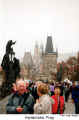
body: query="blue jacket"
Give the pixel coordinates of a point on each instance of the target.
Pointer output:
(75, 94)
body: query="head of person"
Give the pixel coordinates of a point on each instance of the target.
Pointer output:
(38, 83)
(27, 83)
(14, 84)
(21, 86)
(57, 91)
(74, 84)
(57, 83)
(42, 89)
(78, 83)
(52, 84)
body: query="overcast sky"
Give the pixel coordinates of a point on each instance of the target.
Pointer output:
(27, 21)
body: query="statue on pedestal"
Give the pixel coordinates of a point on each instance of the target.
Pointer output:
(11, 67)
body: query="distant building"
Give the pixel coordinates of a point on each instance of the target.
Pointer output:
(43, 63)
(36, 57)
(27, 59)
(49, 45)
(48, 66)
(50, 56)
(41, 58)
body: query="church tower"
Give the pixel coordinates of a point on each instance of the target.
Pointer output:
(41, 50)
(49, 45)
(36, 49)
(50, 59)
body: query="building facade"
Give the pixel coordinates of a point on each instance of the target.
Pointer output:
(48, 66)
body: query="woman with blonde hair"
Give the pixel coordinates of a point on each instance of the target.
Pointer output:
(44, 103)
(58, 106)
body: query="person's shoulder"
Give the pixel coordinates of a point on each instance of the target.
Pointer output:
(53, 96)
(45, 97)
(62, 97)
(50, 99)
(12, 96)
(28, 95)
(31, 97)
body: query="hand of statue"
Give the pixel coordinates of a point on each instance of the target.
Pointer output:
(19, 109)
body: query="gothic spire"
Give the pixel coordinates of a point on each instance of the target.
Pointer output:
(49, 45)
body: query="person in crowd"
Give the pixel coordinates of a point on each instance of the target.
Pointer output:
(73, 86)
(20, 102)
(52, 88)
(48, 85)
(58, 106)
(78, 84)
(14, 89)
(75, 97)
(34, 90)
(67, 91)
(60, 84)
(44, 103)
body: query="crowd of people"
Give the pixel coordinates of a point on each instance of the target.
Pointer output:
(40, 97)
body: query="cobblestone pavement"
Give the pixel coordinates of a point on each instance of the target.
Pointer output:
(69, 107)
(3, 104)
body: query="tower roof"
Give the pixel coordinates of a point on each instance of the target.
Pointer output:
(49, 45)
(36, 44)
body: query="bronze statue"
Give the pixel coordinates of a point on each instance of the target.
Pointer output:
(11, 67)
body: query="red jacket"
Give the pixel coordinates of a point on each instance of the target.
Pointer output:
(55, 105)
